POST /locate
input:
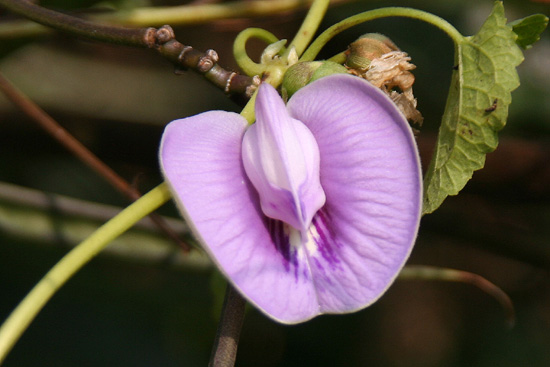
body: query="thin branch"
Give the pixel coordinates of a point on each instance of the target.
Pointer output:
(47, 219)
(175, 15)
(224, 350)
(162, 40)
(206, 63)
(422, 272)
(80, 151)
(78, 26)
(24, 198)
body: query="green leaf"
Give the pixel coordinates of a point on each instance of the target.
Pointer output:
(529, 29)
(477, 107)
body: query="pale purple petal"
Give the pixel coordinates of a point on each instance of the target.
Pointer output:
(370, 173)
(201, 160)
(281, 158)
(357, 242)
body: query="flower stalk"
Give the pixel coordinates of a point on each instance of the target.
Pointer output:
(224, 350)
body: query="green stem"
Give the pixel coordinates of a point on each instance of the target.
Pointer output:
(321, 41)
(338, 58)
(309, 26)
(239, 49)
(248, 110)
(26, 311)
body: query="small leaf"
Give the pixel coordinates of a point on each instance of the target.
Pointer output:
(477, 107)
(529, 29)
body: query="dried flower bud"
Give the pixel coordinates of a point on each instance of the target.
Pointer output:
(303, 73)
(376, 58)
(391, 70)
(367, 48)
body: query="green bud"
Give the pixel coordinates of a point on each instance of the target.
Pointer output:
(367, 48)
(303, 73)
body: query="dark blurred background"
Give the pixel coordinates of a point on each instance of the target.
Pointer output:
(145, 304)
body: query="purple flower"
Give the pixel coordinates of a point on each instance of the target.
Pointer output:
(314, 208)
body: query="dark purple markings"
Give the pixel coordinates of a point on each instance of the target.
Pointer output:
(282, 243)
(325, 238)
(322, 234)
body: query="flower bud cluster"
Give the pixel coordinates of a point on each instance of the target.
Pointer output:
(303, 73)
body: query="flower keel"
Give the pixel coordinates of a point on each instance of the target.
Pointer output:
(281, 158)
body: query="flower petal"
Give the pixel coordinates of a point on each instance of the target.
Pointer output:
(357, 242)
(201, 160)
(281, 158)
(371, 176)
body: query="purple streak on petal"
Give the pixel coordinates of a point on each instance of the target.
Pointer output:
(281, 158)
(201, 160)
(327, 243)
(370, 173)
(281, 241)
